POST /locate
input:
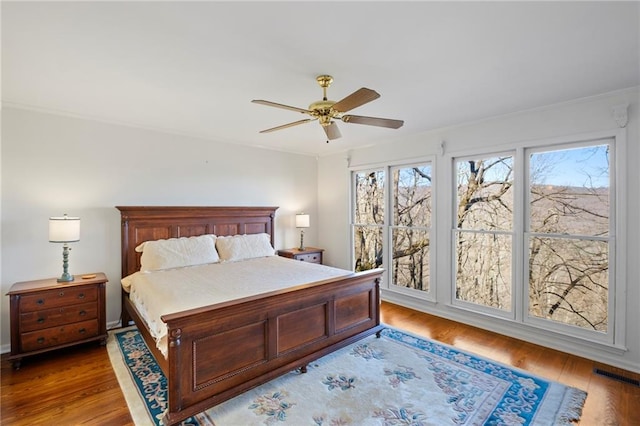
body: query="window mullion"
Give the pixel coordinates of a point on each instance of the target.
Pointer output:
(520, 224)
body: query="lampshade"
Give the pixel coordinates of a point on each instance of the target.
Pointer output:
(302, 220)
(64, 229)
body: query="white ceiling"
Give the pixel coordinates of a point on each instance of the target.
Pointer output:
(193, 68)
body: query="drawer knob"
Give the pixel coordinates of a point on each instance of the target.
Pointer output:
(82, 313)
(40, 340)
(61, 294)
(81, 296)
(40, 320)
(82, 330)
(40, 301)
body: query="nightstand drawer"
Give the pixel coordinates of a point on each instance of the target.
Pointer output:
(62, 297)
(37, 320)
(55, 336)
(311, 257)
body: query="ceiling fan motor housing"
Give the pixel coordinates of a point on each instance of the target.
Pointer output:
(323, 111)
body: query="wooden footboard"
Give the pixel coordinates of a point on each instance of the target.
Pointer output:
(224, 350)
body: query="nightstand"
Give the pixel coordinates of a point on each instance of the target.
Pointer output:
(309, 254)
(48, 315)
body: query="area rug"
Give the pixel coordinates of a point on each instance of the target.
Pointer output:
(397, 379)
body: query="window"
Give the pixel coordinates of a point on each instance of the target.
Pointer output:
(368, 219)
(530, 234)
(544, 260)
(398, 217)
(410, 229)
(484, 231)
(569, 236)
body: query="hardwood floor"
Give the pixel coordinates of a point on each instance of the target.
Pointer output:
(72, 386)
(77, 385)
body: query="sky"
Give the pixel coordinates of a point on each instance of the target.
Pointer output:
(583, 167)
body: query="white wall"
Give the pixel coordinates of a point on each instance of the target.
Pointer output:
(53, 165)
(578, 117)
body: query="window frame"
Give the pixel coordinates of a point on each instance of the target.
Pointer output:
(474, 307)
(542, 323)
(387, 228)
(421, 294)
(616, 334)
(352, 214)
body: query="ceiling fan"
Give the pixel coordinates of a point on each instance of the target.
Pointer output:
(327, 111)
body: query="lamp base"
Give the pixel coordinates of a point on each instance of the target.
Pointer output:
(65, 278)
(301, 248)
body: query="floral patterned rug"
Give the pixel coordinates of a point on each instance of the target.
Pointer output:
(398, 379)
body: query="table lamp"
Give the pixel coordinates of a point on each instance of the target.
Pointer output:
(302, 221)
(65, 230)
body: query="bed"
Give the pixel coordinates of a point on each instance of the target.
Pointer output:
(220, 350)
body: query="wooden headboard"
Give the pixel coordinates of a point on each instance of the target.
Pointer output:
(146, 223)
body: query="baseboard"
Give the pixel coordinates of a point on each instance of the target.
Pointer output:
(113, 324)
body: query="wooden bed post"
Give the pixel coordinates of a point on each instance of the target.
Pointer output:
(125, 317)
(174, 393)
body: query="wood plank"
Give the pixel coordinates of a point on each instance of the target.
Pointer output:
(71, 386)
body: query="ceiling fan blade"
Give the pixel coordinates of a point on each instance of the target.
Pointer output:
(284, 126)
(356, 99)
(273, 104)
(373, 121)
(332, 131)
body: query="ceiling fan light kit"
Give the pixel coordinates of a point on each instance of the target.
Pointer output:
(326, 111)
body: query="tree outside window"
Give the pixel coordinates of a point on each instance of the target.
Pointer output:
(369, 219)
(568, 240)
(551, 246)
(411, 223)
(407, 228)
(483, 236)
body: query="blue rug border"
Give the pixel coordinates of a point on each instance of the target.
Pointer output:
(155, 412)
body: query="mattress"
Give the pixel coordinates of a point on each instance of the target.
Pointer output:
(169, 291)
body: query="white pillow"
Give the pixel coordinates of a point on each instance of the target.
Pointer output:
(241, 247)
(178, 252)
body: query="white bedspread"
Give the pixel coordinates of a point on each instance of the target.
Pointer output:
(163, 292)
